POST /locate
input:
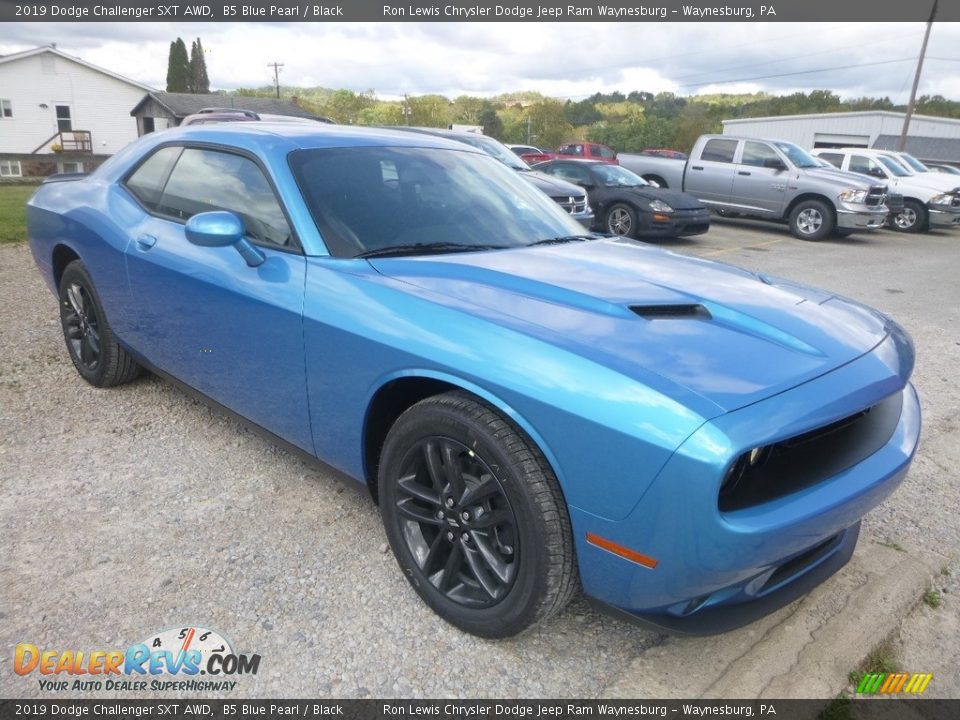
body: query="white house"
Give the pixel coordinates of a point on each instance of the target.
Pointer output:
(48, 99)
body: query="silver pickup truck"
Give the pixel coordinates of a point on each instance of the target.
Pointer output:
(769, 179)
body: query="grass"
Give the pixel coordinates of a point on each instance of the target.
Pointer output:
(882, 659)
(932, 598)
(893, 546)
(13, 212)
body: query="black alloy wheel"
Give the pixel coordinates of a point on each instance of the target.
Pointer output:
(475, 516)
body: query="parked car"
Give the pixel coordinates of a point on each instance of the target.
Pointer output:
(945, 169)
(522, 150)
(218, 115)
(769, 179)
(572, 150)
(570, 197)
(941, 181)
(626, 204)
(664, 152)
(924, 206)
(533, 409)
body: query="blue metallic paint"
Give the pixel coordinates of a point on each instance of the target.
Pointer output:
(640, 419)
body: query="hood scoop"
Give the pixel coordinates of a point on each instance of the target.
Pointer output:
(675, 312)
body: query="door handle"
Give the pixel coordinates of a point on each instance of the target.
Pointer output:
(696, 167)
(741, 172)
(145, 242)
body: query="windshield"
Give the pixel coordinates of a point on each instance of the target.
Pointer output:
(494, 149)
(893, 166)
(798, 156)
(914, 163)
(366, 199)
(617, 175)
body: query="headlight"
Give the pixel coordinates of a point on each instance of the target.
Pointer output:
(660, 206)
(942, 199)
(854, 196)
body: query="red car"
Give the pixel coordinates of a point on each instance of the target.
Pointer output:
(584, 150)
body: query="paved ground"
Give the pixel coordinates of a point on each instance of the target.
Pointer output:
(130, 511)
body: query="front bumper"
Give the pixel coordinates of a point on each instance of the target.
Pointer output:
(716, 570)
(863, 218)
(943, 216)
(678, 223)
(584, 218)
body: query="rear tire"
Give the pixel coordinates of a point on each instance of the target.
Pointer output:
(475, 517)
(90, 341)
(812, 220)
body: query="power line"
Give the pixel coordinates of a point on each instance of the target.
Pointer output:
(799, 72)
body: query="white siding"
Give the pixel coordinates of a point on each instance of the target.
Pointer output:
(804, 129)
(99, 103)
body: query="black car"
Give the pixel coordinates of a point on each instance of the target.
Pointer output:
(626, 204)
(570, 197)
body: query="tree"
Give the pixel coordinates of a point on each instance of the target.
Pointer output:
(199, 80)
(492, 125)
(178, 68)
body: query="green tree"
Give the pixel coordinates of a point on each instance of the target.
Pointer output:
(548, 124)
(178, 68)
(199, 80)
(430, 111)
(492, 125)
(345, 106)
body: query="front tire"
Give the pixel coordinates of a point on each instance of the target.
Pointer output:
(475, 517)
(621, 220)
(812, 220)
(913, 219)
(90, 341)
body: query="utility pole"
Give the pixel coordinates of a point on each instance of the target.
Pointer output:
(916, 80)
(406, 109)
(276, 75)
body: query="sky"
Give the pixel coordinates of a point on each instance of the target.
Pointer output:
(564, 60)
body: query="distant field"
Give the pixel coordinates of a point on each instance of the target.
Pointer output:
(13, 212)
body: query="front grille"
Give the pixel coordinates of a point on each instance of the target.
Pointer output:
(876, 195)
(803, 460)
(571, 203)
(956, 201)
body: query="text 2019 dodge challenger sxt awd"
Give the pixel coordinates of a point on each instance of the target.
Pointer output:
(535, 410)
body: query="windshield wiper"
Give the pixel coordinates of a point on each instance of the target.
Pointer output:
(562, 239)
(424, 249)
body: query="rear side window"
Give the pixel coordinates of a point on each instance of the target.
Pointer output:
(147, 181)
(206, 180)
(604, 152)
(718, 150)
(835, 159)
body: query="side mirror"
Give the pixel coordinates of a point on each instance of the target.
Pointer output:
(774, 164)
(221, 229)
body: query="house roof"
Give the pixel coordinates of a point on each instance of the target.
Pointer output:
(925, 148)
(59, 53)
(850, 114)
(182, 104)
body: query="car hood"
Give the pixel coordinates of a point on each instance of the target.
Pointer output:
(687, 327)
(937, 181)
(843, 180)
(552, 186)
(674, 198)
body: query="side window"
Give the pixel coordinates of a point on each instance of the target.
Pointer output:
(595, 151)
(835, 159)
(205, 180)
(606, 152)
(865, 166)
(148, 179)
(572, 150)
(572, 173)
(756, 154)
(719, 150)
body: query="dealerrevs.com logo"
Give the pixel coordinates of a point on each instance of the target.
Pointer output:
(169, 661)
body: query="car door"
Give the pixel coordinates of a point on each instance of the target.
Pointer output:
(759, 185)
(231, 331)
(710, 176)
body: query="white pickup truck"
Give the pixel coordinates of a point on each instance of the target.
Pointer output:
(770, 179)
(924, 205)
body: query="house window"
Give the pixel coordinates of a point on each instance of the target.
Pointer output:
(10, 168)
(148, 125)
(67, 166)
(64, 123)
(6, 109)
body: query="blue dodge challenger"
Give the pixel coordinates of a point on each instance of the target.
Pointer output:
(536, 411)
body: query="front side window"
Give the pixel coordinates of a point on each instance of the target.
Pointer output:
(718, 150)
(605, 152)
(865, 166)
(758, 154)
(206, 180)
(6, 109)
(418, 200)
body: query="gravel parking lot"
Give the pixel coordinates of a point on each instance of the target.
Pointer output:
(134, 510)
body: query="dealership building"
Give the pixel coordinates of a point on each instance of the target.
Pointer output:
(932, 139)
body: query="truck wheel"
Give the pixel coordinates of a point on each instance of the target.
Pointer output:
(811, 220)
(913, 219)
(621, 220)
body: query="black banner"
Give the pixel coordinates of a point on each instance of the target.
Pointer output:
(475, 11)
(865, 709)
